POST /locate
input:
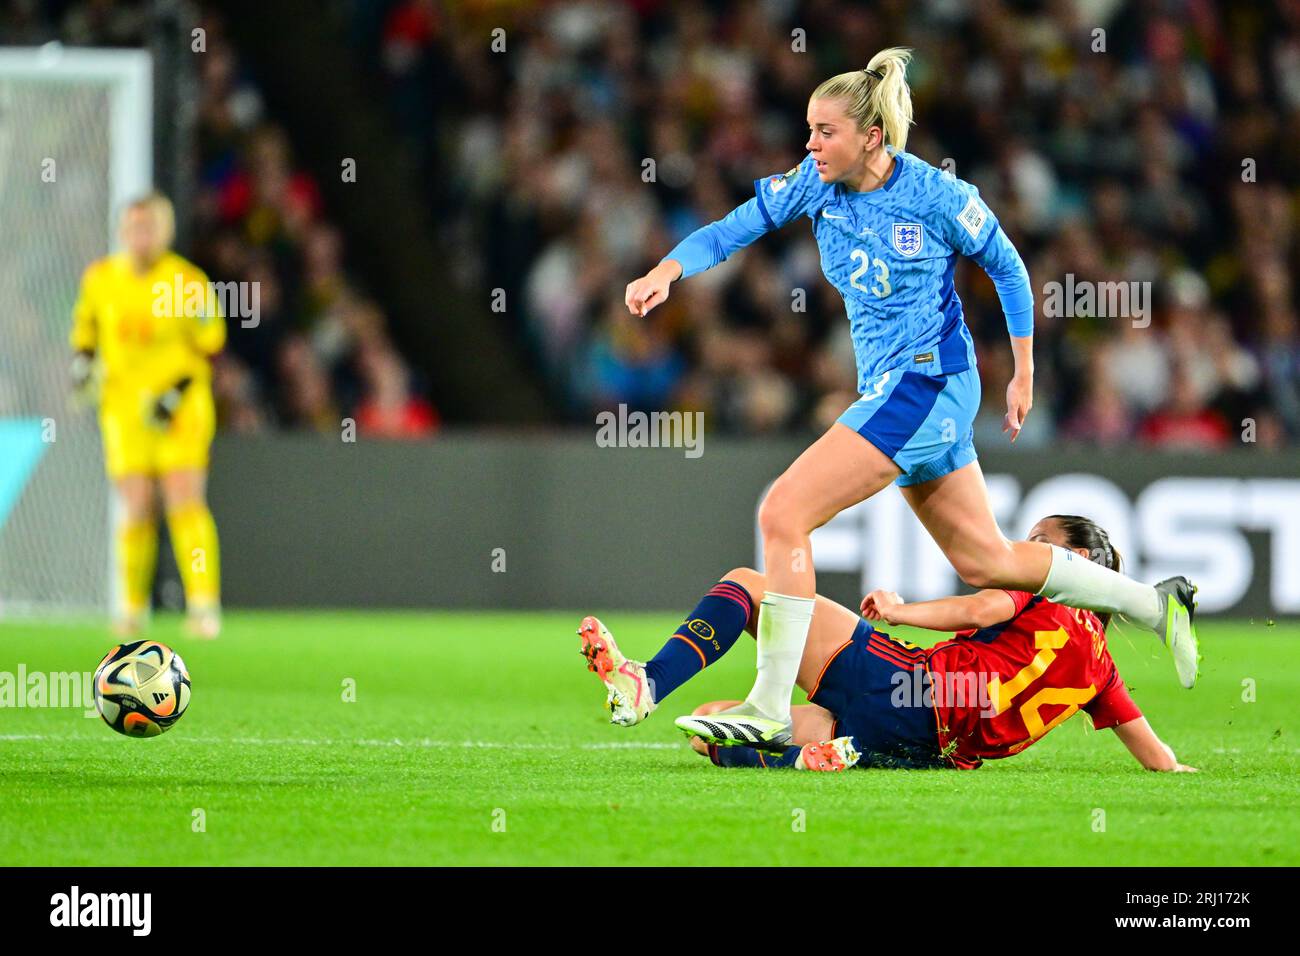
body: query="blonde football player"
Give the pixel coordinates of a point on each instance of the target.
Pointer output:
(145, 326)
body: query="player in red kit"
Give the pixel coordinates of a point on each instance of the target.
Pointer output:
(1017, 666)
(999, 688)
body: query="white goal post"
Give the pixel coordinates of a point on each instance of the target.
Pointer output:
(76, 143)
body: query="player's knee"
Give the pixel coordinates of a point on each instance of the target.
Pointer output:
(779, 516)
(987, 569)
(973, 571)
(144, 514)
(140, 504)
(142, 508)
(179, 497)
(749, 579)
(976, 577)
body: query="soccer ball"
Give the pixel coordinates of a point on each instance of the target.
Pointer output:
(142, 688)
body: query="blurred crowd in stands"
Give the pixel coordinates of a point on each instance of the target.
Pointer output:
(1154, 142)
(320, 351)
(1117, 141)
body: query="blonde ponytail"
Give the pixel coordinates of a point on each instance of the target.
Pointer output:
(876, 96)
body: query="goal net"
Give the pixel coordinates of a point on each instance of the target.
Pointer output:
(75, 144)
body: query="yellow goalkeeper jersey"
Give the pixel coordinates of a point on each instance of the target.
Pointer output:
(150, 330)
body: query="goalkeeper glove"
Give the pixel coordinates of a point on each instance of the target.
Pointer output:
(83, 375)
(164, 410)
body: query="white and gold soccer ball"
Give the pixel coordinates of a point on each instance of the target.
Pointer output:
(142, 688)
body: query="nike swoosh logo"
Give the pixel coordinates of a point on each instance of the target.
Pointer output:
(827, 215)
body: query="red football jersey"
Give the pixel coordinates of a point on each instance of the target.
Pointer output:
(998, 689)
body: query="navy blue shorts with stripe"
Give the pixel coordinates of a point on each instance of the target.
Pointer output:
(872, 685)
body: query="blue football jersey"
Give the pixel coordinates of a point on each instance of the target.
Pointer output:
(891, 253)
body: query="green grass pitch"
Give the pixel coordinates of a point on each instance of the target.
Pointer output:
(479, 738)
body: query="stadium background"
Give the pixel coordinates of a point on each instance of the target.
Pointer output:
(439, 736)
(461, 300)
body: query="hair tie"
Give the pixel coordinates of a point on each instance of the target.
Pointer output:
(876, 73)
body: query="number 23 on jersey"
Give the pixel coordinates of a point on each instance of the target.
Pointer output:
(879, 279)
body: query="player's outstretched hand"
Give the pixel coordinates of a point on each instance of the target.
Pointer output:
(1183, 768)
(651, 289)
(879, 605)
(1020, 399)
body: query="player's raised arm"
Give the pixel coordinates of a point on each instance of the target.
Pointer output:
(965, 612)
(1149, 750)
(777, 200)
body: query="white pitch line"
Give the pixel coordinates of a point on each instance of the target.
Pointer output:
(420, 743)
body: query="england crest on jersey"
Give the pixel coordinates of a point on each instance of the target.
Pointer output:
(909, 237)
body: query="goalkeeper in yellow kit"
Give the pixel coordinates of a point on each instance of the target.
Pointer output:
(144, 328)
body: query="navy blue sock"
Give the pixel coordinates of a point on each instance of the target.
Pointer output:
(738, 756)
(704, 637)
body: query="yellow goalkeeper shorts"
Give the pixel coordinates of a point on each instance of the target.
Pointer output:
(135, 445)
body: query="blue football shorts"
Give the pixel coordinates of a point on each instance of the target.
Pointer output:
(924, 423)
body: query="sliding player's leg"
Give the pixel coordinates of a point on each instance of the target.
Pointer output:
(832, 625)
(136, 550)
(875, 689)
(813, 744)
(837, 471)
(832, 629)
(812, 723)
(956, 512)
(709, 631)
